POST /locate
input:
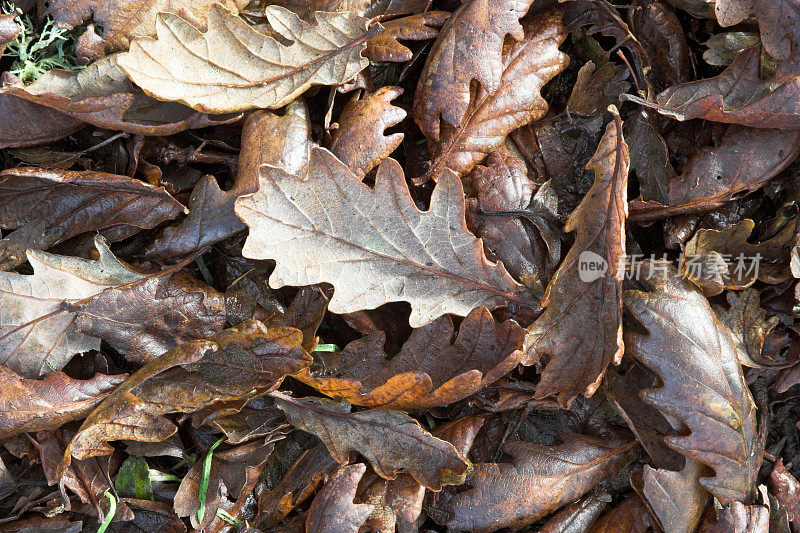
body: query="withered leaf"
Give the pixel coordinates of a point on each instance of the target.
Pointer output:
(786, 489)
(539, 480)
(581, 327)
(577, 517)
(381, 436)
(493, 113)
(360, 142)
(748, 324)
(778, 21)
(266, 139)
(144, 319)
(739, 518)
(47, 207)
(232, 67)
(703, 385)
(427, 258)
(41, 124)
(101, 94)
(9, 30)
(237, 363)
(333, 510)
(37, 334)
(675, 499)
(28, 405)
(649, 158)
(743, 161)
(386, 46)
(431, 369)
(629, 516)
(469, 47)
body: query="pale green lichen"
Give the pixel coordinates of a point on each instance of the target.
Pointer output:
(35, 53)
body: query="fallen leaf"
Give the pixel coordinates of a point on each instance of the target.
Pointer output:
(266, 139)
(381, 436)
(581, 327)
(9, 30)
(386, 45)
(675, 499)
(47, 207)
(629, 516)
(703, 385)
(29, 405)
(38, 335)
(232, 67)
(359, 142)
(333, 510)
(577, 517)
(40, 124)
(424, 257)
(739, 518)
(237, 363)
(786, 489)
(539, 480)
(748, 324)
(467, 137)
(469, 47)
(432, 369)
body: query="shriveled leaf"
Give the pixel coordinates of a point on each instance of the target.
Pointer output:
(381, 436)
(581, 327)
(101, 94)
(282, 141)
(427, 258)
(703, 385)
(333, 510)
(142, 320)
(538, 480)
(37, 334)
(47, 207)
(232, 67)
(360, 142)
(786, 489)
(743, 161)
(432, 369)
(577, 517)
(386, 45)
(122, 21)
(466, 138)
(28, 405)
(235, 364)
(469, 47)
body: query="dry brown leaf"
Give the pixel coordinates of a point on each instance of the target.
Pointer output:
(703, 385)
(386, 46)
(232, 67)
(381, 436)
(431, 370)
(333, 510)
(359, 142)
(581, 327)
(374, 245)
(494, 112)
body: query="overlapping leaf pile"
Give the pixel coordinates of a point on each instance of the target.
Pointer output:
(400, 265)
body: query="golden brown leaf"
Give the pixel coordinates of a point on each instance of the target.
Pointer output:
(333, 510)
(386, 46)
(581, 327)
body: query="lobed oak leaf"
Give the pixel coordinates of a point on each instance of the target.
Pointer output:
(539, 480)
(266, 139)
(382, 436)
(431, 370)
(469, 47)
(123, 21)
(233, 67)
(101, 94)
(526, 66)
(581, 327)
(47, 207)
(333, 510)
(375, 246)
(359, 142)
(703, 385)
(28, 405)
(630, 515)
(748, 324)
(37, 334)
(235, 364)
(386, 45)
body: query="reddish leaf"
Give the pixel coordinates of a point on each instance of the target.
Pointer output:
(333, 510)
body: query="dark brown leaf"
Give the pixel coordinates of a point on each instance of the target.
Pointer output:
(333, 510)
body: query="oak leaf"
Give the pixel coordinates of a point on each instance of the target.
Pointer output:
(427, 258)
(581, 327)
(525, 67)
(381, 436)
(703, 384)
(233, 67)
(333, 510)
(386, 45)
(47, 207)
(236, 364)
(539, 480)
(37, 334)
(431, 369)
(28, 405)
